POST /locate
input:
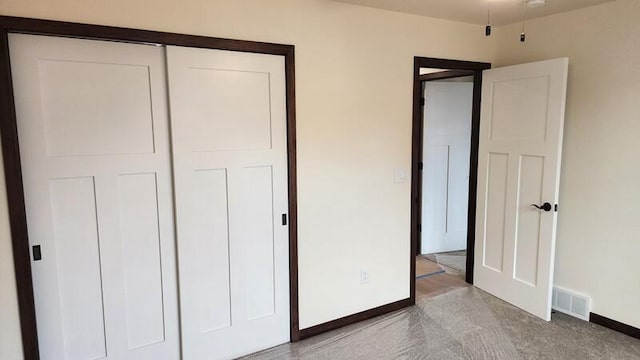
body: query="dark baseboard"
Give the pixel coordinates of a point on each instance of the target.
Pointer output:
(614, 325)
(348, 320)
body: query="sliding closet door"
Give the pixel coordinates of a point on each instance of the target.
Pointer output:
(228, 116)
(94, 146)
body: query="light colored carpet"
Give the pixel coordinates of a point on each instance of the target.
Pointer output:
(456, 260)
(465, 323)
(453, 261)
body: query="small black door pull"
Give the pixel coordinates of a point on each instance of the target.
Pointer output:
(546, 206)
(37, 253)
(284, 219)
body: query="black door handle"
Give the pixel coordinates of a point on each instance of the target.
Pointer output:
(546, 206)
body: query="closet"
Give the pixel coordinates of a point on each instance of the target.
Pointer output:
(155, 181)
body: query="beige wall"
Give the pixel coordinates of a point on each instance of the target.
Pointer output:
(10, 341)
(598, 243)
(354, 88)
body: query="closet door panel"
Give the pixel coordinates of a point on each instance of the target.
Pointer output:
(94, 145)
(228, 118)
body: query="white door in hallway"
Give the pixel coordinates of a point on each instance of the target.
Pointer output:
(445, 174)
(519, 170)
(94, 146)
(228, 114)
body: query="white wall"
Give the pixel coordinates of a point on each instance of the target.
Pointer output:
(352, 132)
(598, 242)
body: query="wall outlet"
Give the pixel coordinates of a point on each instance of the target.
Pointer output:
(364, 277)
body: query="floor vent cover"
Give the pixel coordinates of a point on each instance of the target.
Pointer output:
(571, 303)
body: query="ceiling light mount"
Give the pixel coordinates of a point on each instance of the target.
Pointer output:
(487, 29)
(525, 4)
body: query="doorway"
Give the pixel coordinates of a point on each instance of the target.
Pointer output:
(446, 116)
(518, 142)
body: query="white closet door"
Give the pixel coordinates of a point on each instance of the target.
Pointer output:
(94, 146)
(228, 112)
(445, 175)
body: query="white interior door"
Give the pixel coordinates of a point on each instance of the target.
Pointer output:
(445, 174)
(94, 146)
(519, 166)
(228, 112)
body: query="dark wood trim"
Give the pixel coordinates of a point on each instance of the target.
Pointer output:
(11, 152)
(614, 325)
(473, 176)
(447, 74)
(416, 160)
(469, 67)
(354, 318)
(293, 196)
(437, 63)
(100, 32)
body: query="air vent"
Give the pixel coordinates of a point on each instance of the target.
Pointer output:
(571, 303)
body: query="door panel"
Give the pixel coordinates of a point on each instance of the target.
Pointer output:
(94, 147)
(519, 109)
(138, 212)
(520, 149)
(122, 97)
(215, 107)
(255, 192)
(228, 112)
(494, 237)
(212, 261)
(78, 253)
(527, 239)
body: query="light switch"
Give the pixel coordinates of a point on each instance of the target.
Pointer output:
(399, 175)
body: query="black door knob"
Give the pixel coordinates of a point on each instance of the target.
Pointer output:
(546, 206)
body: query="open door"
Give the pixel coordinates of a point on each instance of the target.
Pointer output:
(522, 120)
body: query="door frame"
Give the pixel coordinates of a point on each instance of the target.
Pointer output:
(451, 68)
(11, 150)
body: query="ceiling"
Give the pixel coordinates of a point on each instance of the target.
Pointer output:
(475, 11)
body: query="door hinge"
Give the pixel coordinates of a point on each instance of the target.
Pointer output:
(284, 219)
(420, 165)
(419, 228)
(422, 101)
